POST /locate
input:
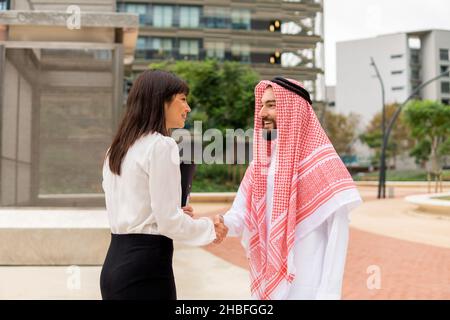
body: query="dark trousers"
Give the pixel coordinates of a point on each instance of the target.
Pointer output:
(138, 267)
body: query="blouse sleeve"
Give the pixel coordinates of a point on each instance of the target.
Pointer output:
(165, 198)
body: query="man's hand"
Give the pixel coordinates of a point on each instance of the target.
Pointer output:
(189, 211)
(220, 228)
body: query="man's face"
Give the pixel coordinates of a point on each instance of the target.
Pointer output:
(268, 112)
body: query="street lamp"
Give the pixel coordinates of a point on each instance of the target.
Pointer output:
(399, 109)
(382, 175)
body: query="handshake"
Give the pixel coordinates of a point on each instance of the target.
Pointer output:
(219, 225)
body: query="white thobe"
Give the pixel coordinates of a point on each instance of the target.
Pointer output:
(321, 242)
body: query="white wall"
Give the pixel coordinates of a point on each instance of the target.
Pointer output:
(357, 89)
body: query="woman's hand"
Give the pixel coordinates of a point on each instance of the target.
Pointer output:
(189, 211)
(220, 228)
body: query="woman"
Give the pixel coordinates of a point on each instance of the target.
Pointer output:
(141, 180)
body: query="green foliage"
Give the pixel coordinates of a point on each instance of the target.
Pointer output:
(222, 94)
(218, 177)
(341, 130)
(399, 175)
(430, 125)
(399, 141)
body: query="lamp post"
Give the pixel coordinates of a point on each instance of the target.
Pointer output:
(382, 175)
(399, 109)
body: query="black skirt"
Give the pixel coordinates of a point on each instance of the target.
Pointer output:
(138, 267)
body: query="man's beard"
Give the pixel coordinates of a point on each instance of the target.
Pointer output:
(269, 134)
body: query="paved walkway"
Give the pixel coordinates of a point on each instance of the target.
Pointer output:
(411, 251)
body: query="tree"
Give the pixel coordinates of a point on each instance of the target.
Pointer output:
(400, 140)
(430, 125)
(341, 130)
(221, 94)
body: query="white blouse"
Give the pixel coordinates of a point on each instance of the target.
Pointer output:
(146, 197)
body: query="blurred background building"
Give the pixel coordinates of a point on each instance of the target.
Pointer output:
(404, 60)
(276, 37)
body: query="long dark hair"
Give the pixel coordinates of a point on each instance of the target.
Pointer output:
(144, 112)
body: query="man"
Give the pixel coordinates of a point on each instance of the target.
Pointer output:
(292, 206)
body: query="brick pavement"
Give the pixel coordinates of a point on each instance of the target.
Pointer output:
(408, 270)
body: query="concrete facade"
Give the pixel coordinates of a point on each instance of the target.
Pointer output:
(61, 95)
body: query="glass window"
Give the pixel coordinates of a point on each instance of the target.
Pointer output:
(161, 48)
(397, 88)
(396, 56)
(215, 50)
(163, 16)
(217, 17)
(415, 73)
(240, 19)
(189, 49)
(444, 69)
(3, 4)
(140, 9)
(443, 54)
(189, 17)
(445, 87)
(240, 52)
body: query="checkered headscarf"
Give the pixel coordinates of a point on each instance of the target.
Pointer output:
(308, 172)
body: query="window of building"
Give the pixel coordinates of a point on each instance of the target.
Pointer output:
(215, 50)
(4, 5)
(396, 56)
(397, 72)
(397, 88)
(415, 56)
(445, 87)
(217, 17)
(444, 69)
(414, 43)
(445, 101)
(142, 43)
(443, 54)
(189, 17)
(189, 49)
(163, 16)
(240, 52)
(415, 73)
(140, 9)
(162, 44)
(154, 48)
(240, 19)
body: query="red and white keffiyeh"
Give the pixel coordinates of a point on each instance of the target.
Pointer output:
(308, 173)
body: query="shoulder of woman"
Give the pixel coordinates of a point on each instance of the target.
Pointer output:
(162, 142)
(166, 148)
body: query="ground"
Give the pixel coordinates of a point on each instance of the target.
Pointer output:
(410, 250)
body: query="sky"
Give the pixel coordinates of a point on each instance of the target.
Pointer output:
(358, 19)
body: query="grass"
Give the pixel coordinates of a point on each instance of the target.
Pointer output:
(400, 175)
(442, 198)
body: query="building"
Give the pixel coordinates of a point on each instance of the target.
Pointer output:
(61, 88)
(331, 97)
(404, 61)
(275, 37)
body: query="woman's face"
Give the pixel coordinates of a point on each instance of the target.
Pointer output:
(176, 111)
